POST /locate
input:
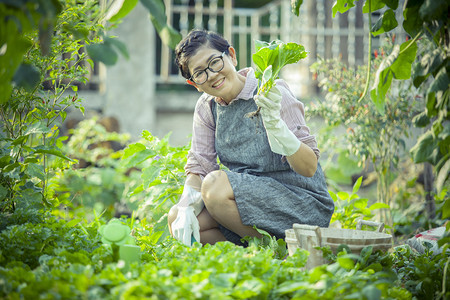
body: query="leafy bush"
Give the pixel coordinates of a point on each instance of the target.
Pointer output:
(371, 135)
(60, 259)
(98, 181)
(44, 88)
(424, 275)
(161, 170)
(349, 208)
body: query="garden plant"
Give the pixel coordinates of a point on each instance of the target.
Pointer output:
(58, 193)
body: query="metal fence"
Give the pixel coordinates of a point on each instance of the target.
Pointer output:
(344, 36)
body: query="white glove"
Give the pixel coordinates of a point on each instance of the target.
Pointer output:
(186, 225)
(281, 139)
(191, 197)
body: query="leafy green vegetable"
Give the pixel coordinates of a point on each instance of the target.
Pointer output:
(271, 57)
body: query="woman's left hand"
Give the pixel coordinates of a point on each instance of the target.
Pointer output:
(281, 139)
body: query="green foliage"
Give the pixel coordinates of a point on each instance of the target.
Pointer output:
(270, 58)
(349, 208)
(427, 22)
(161, 170)
(28, 242)
(395, 66)
(167, 33)
(370, 134)
(340, 165)
(17, 20)
(59, 253)
(31, 111)
(424, 275)
(67, 261)
(268, 242)
(98, 182)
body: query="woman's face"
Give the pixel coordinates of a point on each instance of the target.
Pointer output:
(226, 83)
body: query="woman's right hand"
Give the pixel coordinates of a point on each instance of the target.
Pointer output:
(186, 225)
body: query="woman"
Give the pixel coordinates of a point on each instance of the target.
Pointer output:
(272, 177)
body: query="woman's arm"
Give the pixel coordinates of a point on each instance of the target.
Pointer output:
(304, 161)
(194, 181)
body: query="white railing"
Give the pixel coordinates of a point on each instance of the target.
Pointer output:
(324, 36)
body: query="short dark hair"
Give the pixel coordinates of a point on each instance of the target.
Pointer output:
(189, 45)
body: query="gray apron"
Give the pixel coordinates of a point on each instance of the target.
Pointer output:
(268, 193)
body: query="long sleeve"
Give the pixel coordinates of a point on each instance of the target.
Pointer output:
(202, 157)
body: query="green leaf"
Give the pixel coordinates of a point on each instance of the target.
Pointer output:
(123, 11)
(402, 64)
(53, 150)
(385, 23)
(365, 254)
(383, 79)
(421, 120)
(428, 64)
(27, 76)
(132, 149)
(169, 36)
(3, 192)
(36, 171)
(446, 209)
(343, 195)
(342, 6)
(156, 9)
(149, 175)
(371, 292)
(374, 5)
(11, 59)
(378, 205)
(333, 196)
(391, 3)
(443, 175)
(275, 54)
(140, 157)
(119, 45)
(346, 262)
(431, 105)
(73, 222)
(360, 203)
(167, 33)
(295, 6)
(433, 10)
(357, 185)
(36, 128)
(440, 84)
(103, 53)
(424, 148)
(412, 23)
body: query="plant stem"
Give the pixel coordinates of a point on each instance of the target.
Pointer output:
(369, 58)
(444, 278)
(412, 42)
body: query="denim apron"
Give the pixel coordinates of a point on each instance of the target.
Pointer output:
(268, 193)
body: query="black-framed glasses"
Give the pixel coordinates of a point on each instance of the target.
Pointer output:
(215, 65)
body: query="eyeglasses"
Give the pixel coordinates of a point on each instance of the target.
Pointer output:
(215, 65)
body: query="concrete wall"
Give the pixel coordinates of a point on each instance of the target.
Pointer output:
(130, 88)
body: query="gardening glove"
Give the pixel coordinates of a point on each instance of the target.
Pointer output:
(281, 139)
(186, 224)
(191, 197)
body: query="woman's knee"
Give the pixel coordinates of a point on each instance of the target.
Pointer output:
(212, 186)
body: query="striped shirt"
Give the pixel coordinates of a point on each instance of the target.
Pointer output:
(202, 157)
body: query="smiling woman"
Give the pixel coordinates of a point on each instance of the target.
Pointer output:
(273, 178)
